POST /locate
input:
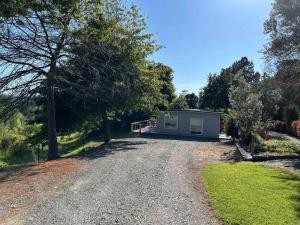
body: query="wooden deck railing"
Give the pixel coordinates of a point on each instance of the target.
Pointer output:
(139, 126)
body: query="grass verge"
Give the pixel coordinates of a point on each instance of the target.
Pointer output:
(248, 193)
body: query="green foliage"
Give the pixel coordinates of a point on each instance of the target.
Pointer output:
(274, 146)
(281, 146)
(192, 100)
(283, 50)
(249, 193)
(16, 144)
(270, 97)
(216, 94)
(247, 108)
(230, 124)
(290, 113)
(166, 77)
(179, 103)
(109, 73)
(257, 144)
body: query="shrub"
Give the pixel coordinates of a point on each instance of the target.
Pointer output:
(18, 155)
(282, 146)
(296, 128)
(257, 144)
(279, 126)
(230, 125)
(290, 114)
(7, 142)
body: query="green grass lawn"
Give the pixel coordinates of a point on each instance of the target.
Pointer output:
(249, 193)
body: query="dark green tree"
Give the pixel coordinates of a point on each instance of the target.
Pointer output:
(246, 68)
(166, 77)
(192, 100)
(215, 95)
(109, 69)
(179, 103)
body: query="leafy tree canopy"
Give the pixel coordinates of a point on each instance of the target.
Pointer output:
(215, 95)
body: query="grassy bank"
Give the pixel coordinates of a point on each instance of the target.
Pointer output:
(69, 145)
(248, 193)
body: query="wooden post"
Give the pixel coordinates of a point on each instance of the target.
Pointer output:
(140, 127)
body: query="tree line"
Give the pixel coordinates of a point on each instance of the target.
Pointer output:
(83, 65)
(78, 63)
(248, 97)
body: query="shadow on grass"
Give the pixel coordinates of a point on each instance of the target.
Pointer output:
(293, 181)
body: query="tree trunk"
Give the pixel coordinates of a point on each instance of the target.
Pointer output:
(106, 125)
(51, 120)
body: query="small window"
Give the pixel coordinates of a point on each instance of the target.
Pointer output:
(196, 126)
(171, 122)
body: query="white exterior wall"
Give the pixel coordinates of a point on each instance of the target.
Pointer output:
(211, 123)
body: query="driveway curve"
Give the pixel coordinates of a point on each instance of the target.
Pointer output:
(130, 181)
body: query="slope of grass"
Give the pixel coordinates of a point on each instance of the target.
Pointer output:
(75, 144)
(69, 145)
(248, 193)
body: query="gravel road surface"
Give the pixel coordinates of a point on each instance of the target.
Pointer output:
(131, 181)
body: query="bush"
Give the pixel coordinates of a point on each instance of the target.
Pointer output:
(282, 146)
(7, 142)
(20, 154)
(290, 114)
(259, 145)
(230, 125)
(296, 128)
(278, 126)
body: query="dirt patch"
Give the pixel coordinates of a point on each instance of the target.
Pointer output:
(218, 151)
(21, 189)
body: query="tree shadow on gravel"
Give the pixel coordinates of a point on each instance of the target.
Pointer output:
(111, 148)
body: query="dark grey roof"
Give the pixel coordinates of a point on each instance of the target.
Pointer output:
(194, 110)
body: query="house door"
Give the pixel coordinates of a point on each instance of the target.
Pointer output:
(196, 126)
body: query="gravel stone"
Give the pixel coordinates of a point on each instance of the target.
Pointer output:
(131, 181)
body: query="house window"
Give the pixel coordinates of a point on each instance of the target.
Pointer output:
(171, 122)
(196, 126)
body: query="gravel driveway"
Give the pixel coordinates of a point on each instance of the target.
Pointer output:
(132, 181)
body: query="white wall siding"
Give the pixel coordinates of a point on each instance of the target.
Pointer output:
(211, 123)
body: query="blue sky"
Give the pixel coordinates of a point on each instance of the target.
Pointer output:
(203, 36)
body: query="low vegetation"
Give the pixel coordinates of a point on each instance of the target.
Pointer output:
(277, 146)
(69, 145)
(248, 193)
(281, 146)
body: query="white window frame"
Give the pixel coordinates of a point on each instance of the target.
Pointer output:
(200, 118)
(176, 116)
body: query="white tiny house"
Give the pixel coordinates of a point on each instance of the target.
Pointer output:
(189, 122)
